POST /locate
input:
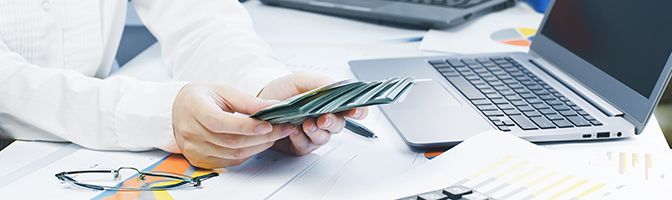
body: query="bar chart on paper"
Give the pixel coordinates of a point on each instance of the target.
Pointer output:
(634, 166)
(515, 178)
(515, 169)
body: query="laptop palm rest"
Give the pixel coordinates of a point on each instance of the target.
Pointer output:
(429, 114)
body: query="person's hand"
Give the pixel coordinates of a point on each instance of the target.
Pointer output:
(211, 135)
(314, 132)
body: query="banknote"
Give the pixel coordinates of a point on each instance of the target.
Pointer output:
(336, 97)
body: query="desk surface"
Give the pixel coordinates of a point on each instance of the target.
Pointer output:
(327, 50)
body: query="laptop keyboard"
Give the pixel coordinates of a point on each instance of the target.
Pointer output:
(510, 95)
(445, 3)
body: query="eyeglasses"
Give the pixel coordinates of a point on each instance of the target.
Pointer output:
(148, 181)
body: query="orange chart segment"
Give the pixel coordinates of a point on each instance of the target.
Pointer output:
(174, 163)
(515, 36)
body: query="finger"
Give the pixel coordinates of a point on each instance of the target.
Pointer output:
(356, 113)
(317, 136)
(301, 144)
(242, 141)
(197, 156)
(212, 162)
(331, 122)
(238, 154)
(236, 101)
(214, 119)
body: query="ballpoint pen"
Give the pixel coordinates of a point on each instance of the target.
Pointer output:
(359, 129)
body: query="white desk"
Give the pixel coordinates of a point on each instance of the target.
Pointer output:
(314, 43)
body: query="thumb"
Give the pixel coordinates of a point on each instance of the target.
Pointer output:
(306, 82)
(240, 102)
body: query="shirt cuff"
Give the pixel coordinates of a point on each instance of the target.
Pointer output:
(143, 117)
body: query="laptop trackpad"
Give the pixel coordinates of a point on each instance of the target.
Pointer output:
(430, 114)
(429, 93)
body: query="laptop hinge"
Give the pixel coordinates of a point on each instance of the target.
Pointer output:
(577, 88)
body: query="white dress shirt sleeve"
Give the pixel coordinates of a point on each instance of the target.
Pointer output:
(118, 113)
(211, 41)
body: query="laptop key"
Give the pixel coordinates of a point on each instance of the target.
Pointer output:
(466, 88)
(582, 113)
(567, 113)
(487, 107)
(547, 111)
(534, 100)
(542, 122)
(434, 62)
(532, 113)
(490, 113)
(523, 122)
(540, 106)
(500, 101)
(479, 102)
(560, 107)
(434, 195)
(525, 108)
(494, 96)
(519, 103)
(514, 98)
(504, 128)
(456, 192)
(578, 121)
(555, 117)
(596, 123)
(563, 123)
(506, 106)
(511, 112)
(554, 102)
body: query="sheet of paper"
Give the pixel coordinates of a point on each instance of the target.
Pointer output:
(509, 30)
(49, 187)
(307, 27)
(504, 167)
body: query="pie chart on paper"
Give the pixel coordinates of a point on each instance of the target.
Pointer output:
(521, 37)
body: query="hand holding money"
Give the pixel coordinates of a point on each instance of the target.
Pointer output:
(334, 98)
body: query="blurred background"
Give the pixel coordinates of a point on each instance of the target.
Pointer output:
(664, 115)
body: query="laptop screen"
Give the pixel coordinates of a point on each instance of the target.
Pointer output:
(619, 49)
(630, 43)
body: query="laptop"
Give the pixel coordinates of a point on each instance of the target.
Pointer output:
(419, 13)
(595, 71)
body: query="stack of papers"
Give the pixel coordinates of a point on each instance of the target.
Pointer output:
(503, 166)
(336, 97)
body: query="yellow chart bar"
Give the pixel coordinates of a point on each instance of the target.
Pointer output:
(491, 166)
(622, 160)
(526, 174)
(568, 189)
(535, 181)
(552, 185)
(589, 190)
(512, 168)
(635, 159)
(648, 164)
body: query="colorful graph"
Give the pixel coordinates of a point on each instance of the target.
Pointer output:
(431, 154)
(635, 165)
(514, 178)
(515, 36)
(173, 163)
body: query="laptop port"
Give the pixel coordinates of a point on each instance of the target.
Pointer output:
(603, 135)
(587, 135)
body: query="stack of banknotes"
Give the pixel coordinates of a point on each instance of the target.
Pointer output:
(336, 97)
